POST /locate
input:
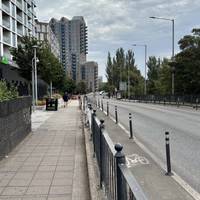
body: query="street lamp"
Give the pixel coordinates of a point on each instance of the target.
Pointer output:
(145, 65)
(34, 77)
(172, 20)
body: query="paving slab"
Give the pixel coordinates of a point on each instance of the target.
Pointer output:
(50, 163)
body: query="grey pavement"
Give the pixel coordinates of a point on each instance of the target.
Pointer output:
(155, 184)
(50, 163)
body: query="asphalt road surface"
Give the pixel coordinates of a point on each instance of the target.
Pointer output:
(149, 125)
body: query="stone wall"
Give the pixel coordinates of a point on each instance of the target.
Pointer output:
(15, 123)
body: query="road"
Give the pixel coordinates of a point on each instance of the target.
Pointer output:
(149, 125)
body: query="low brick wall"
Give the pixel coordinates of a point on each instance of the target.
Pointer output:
(15, 123)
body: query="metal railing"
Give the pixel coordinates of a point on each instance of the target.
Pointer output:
(186, 100)
(115, 177)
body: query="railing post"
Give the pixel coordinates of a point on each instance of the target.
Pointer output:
(116, 116)
(107, 109)
(130, 126)
(93, 134)
(92, 125)
(120, 159)
(169, 173)
(100, 149)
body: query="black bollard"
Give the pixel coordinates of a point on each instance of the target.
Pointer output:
(116, 116)
(130, 126)
(102, 104)
(169, 173)
(197, 101)
(107, 109)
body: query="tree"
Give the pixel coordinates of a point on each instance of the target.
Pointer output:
(49, 68)
(109, 69)
(163, 84)
(187, 64)
(120, 67)
(81, 87)
(24, 54)
(69, 85)
(153, 74)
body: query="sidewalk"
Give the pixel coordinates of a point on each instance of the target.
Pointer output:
(149, 175)
(50, 164)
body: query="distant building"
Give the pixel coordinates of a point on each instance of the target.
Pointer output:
(44, 33)
(72, 36)
(16, 20)
(89, 74)
(100, 81)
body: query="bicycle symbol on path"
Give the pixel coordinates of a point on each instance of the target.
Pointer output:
(134, 160)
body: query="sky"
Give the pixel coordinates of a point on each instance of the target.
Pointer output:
(121, 23)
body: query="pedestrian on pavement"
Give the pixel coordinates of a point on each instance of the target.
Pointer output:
(65, 99)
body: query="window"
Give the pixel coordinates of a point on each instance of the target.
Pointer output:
(13, 25)
(13, 40)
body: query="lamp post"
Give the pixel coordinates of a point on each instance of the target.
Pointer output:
(34, 73)
(33, 86)
(172, 20)
(145, 66)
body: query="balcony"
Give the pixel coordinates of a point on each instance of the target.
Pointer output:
(29, 14)
(34, 13)
(19, 18)
(6, 39)
(19, 5)
(29, 26)
(6, 8)
(20, 31)
(6, 24)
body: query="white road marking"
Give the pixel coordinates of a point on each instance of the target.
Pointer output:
(135, 160)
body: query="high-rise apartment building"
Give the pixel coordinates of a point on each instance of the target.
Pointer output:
(44, 33)
(72, 35)
(89, 74)
(17, 18)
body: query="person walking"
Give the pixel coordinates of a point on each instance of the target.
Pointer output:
(65, 99)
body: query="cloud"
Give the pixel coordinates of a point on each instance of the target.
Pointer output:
(115, 23)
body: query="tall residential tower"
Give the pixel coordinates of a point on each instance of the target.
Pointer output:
(72, 36)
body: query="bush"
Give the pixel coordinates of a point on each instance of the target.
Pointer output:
(7, 93)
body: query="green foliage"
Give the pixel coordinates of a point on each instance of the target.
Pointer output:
(187, 64)
(69, 85)
(7, 93)
(49, 68)
(81, 87)
(119, 68)
(159, 76)
(24, 54)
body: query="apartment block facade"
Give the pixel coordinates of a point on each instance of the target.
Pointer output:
(44, 33)
(72, 36)
(89, 74)
(17, 18)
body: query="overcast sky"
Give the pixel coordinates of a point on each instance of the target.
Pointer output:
(121, 23)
